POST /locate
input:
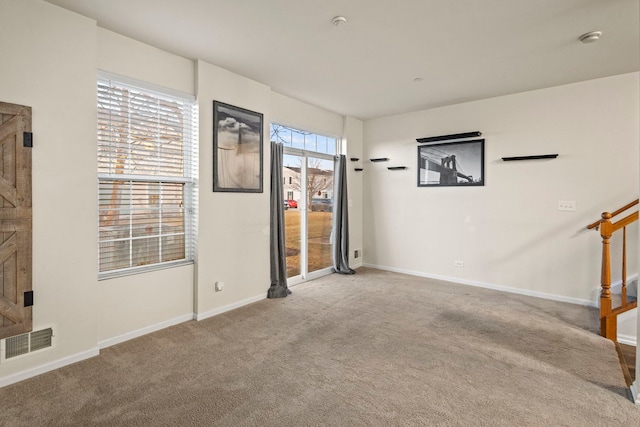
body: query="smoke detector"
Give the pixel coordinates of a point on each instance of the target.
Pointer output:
(337, 20)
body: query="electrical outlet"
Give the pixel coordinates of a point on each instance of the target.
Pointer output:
(458, 263)
(356, 253)
(567, 205)
(219, 286)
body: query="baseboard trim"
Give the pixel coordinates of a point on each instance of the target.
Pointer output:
(47, 367)
(627, 339)
(144, 331)
(224, 309)
(536, 294)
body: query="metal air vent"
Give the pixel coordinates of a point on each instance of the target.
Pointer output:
(25, 343)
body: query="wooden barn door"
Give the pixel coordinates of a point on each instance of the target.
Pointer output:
(16, 297)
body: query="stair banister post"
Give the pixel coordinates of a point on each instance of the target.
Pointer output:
(607, 325)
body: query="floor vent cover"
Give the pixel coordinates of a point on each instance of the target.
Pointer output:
(27, 343)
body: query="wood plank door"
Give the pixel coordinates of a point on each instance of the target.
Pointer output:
(15, 220)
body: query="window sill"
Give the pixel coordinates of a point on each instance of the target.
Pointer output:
(141, 270)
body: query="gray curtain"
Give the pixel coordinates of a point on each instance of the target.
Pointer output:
(340, 229)
(278, 287)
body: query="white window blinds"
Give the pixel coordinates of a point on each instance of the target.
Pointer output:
(147, 168)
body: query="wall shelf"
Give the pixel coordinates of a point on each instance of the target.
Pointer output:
(449, 137)
(537, 157)
(380, 159)
(354, 159)
(358, 169)
(396, 168)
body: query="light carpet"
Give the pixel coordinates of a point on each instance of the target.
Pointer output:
(373, 349)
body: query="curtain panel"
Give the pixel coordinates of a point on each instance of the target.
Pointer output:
(340, 225)
(278, 288)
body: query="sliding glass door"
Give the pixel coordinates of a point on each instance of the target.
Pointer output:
(308, 195)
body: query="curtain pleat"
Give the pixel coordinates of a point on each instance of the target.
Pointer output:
(278, 287)
(341, 218)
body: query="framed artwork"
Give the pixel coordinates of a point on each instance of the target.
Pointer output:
(451, 164)
(237, 149)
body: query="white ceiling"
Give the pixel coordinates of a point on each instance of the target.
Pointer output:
(462, 49)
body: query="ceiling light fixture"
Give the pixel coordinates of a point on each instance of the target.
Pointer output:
(590, 37)
(337, 20)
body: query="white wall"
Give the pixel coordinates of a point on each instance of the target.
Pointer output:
(48, 63)
(353, 134)
(122, 55)
(233, 237)
(296, 114)
(134, 303)
(627, 327)
(509, 233)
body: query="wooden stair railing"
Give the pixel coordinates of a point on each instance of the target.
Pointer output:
(608, 313)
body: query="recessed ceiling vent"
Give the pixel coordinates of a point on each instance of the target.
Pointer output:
(20, 345)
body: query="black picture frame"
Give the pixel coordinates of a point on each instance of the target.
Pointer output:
(237, 149)
(451, 164)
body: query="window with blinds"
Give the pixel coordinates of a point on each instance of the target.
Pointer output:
(147, 165)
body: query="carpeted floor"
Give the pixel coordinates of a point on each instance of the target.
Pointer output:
(372, 349)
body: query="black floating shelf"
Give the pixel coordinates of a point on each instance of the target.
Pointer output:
(354, 159)
(448, 137)
(358, 169)
(396, 168)
(541, 156)
(380, 159)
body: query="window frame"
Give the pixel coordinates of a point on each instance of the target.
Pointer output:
(188, 178)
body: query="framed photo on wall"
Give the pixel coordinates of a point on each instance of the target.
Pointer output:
(451, 164)
(237, 149)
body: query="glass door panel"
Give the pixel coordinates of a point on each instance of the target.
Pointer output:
(291, 172)
(319, 200)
